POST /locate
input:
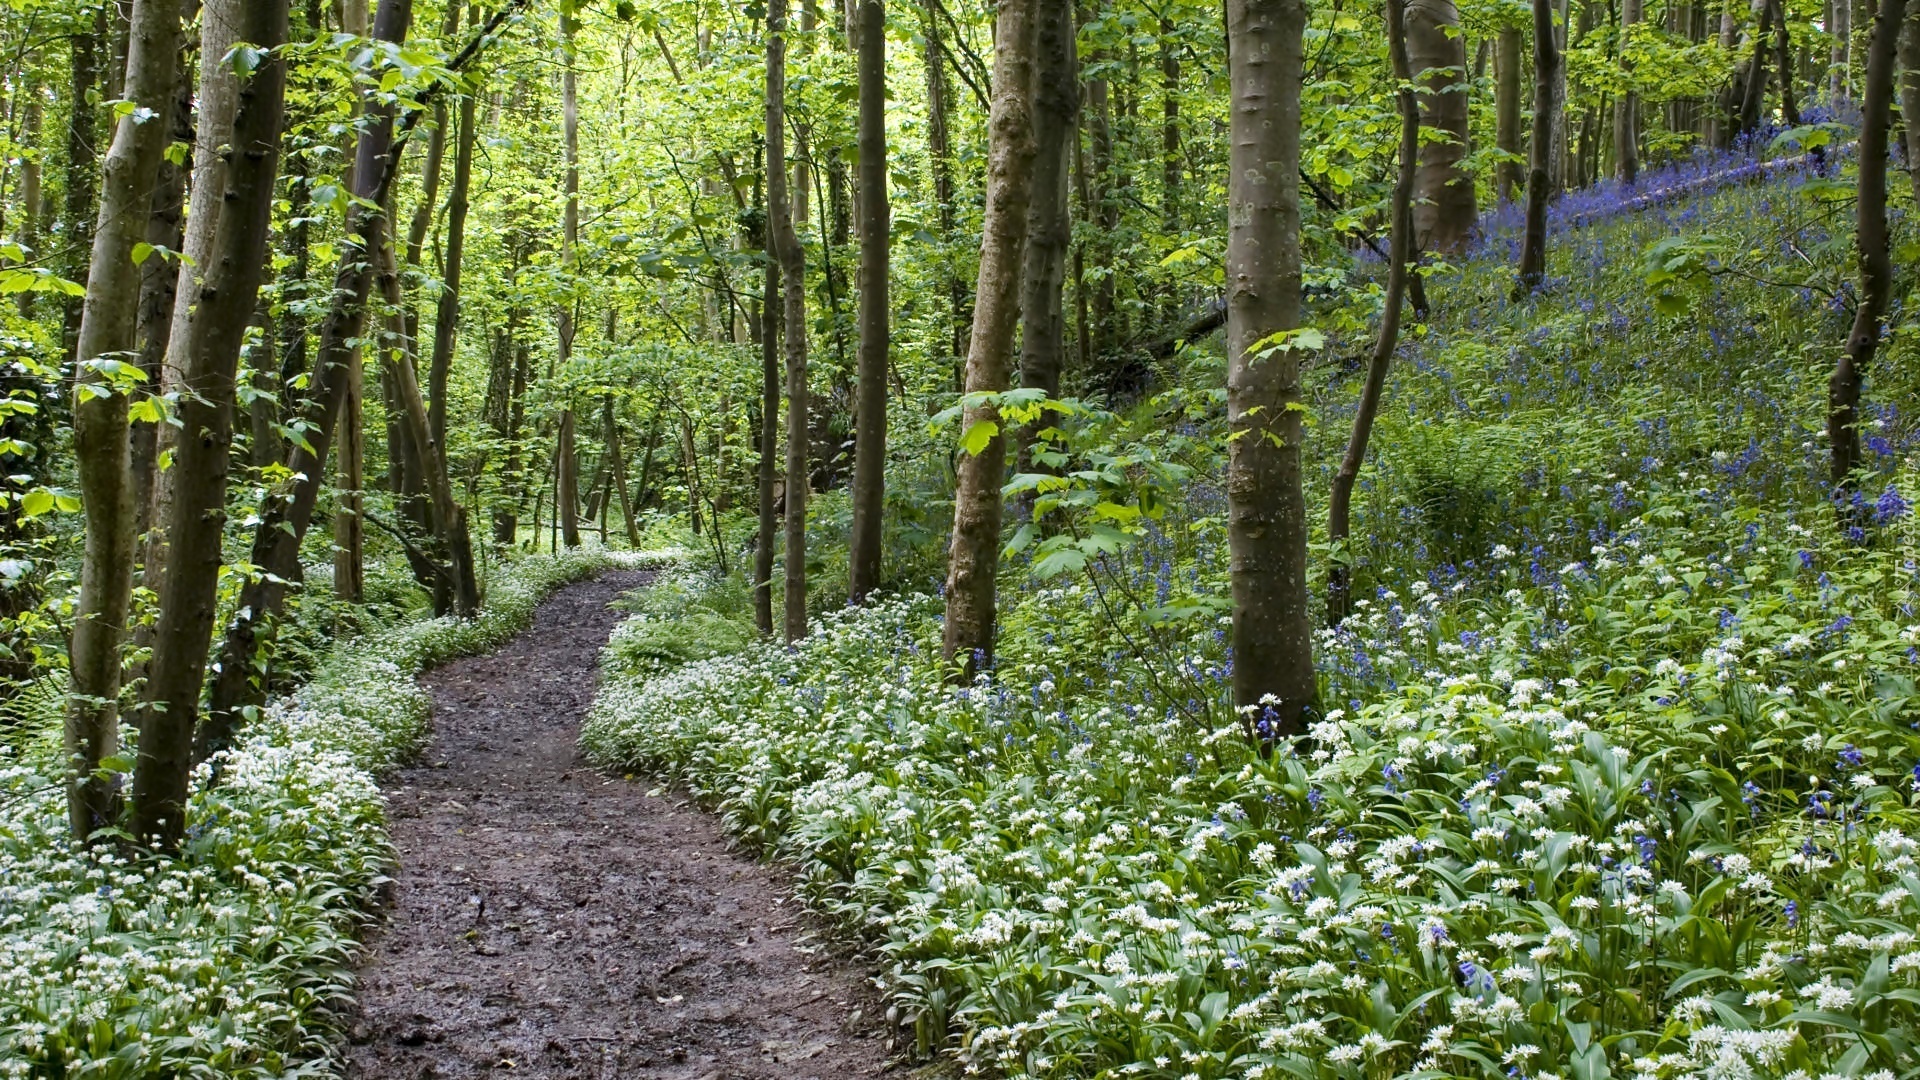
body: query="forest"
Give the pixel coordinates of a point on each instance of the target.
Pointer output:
(1122, 538)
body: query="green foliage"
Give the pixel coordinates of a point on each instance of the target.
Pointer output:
(683, 616)
(236, 959)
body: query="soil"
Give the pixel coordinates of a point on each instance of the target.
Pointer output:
(548, 920)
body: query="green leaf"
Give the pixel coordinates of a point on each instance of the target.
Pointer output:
(36, 503)
(977, 436)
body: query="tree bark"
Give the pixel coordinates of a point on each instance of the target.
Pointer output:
(1509, 176)
(87, 42)
(770, 309)
(1444, 211)
(566, 486)
(212, 334)
(1840, 81)
(160, 279)
(28, 235)
(350, 484)
(1546, 65)
(1626, 114)
(870, 414)
(1169, 130)
(1273, 678)
(1339, 569)
(284, 520)
(100, 422)
(1871, 241)
(787, 249)
(1782, 58)
(447, 309)
(1910, 91)
(940, 156)
(974, 555)
(1056, 120)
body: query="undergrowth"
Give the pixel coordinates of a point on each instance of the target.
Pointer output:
(1618, 771)
(233, 959)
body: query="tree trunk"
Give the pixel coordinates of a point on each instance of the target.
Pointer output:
(974, 555)
(566, 487)
(285, 518)
(1056, 119)
(1169, 132)
(87, 43)
(212, 334)
(1871, 240)
(792, 259)
(28, 236)
(1546, 66)
(160, 279)
(100, 422)
(1104, 211)
(1267, 514)
(1750, 78)
(619, 459)
(770, 309)
(1839, 80)
(447, 310)
(1444, 212)
(870, 437)
(1557, 160)
(350, 484)
(1910, 91)
(940, 155)
(1783, 58)
(1510, 176)
(1626, 115)
(1340, 560)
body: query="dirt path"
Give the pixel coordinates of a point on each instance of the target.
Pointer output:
(553, 922)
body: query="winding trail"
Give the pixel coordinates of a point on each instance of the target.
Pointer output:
(549, 921)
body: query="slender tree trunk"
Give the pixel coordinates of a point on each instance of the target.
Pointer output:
(566, 487)
(1557, 160)
(1509, 176)
(160, 280)
(1056, 119)
(770, 309)
(350, 484)
(974, 554)
(100, 422)
(1783, 58)
(87, 43)
(1105, 212)
(1546, 65)
(1871, 240)
(28, 235)
(213, 332)
(1626, 116)
(1340, 564)
(940, 155)
(1169, 130)
(619, 458)
(1273, 679)
(870, 438)
(1445, 211)
(284, 520)
(786, 246)
(1910, 91)
(447, 310)
(1750, 79)
(1840, 82)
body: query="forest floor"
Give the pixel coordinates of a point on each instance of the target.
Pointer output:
(551, 921)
